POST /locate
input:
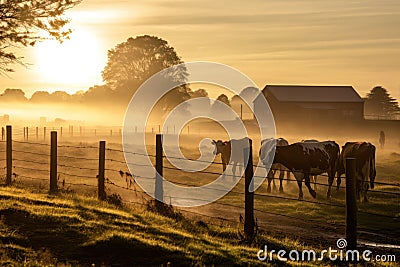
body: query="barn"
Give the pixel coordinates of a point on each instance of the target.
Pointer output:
(312, 103)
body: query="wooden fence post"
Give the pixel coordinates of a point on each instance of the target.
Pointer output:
(101, 193)
(44, 133)
(351, 204)
(249, 223)
(27, 133)
(2, 133)
(8, 154)
(111, 132)
(24, 134)
(53, 163)
(80, 130)
(61, 131)
(37, 133)
(159, 191)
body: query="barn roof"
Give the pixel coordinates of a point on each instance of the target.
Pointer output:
(307, 93)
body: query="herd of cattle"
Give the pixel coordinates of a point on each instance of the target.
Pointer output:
(306, 160)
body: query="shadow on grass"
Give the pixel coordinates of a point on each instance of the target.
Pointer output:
(71, 241)
(65, 241)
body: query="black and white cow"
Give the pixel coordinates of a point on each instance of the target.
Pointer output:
(364, 153)
(231, 152)
(305, 159)
(264, 150)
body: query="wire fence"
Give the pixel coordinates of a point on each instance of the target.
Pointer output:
(78, 167)
(41, 133)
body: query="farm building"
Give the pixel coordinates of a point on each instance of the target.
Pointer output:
(312, 103)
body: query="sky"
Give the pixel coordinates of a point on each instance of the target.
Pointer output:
(341, 42)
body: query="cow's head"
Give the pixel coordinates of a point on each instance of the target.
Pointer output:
(219, 145)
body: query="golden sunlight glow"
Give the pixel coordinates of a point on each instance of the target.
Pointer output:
(78, 61)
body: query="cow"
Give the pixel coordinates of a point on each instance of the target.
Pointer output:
(264, 150)
(228, 156)
(364, 153)
(313, 178)
(305, 159)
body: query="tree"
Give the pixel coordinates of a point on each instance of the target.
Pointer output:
(25, 22)
(198, 93)
(224, 99)
(380, 103)
(218, 108)
(134, 61)
(13, 95)
(55, 97)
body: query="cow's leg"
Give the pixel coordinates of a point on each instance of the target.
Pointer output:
(273, 179)
(299, 177)
(281, 175)
(338, 182)
(234, 170)
(308, 184)
(315, 182)
(364, 191)
(299, 183)
(358, 188)
(330, 182)
(287, 176)
(270, 176)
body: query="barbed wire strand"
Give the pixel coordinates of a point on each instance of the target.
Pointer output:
(80, 158)
(31, 161)
(30, 169)
(31, 143)
(32, 153)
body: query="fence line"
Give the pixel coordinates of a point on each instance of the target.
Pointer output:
(173, 157)
(76, 175)
(32, 153)
(30, 169)
(121, 173)
(33, 178)
(80, 158)
(76, 167)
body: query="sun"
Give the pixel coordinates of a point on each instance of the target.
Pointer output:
(75, 62)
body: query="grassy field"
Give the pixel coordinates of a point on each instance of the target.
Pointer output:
(101, 234)
(69, 230)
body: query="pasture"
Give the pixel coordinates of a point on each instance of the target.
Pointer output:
(316, 223)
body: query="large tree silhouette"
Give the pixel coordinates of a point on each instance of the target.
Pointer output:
(380, 103)
(25, 22)
(134, 61)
